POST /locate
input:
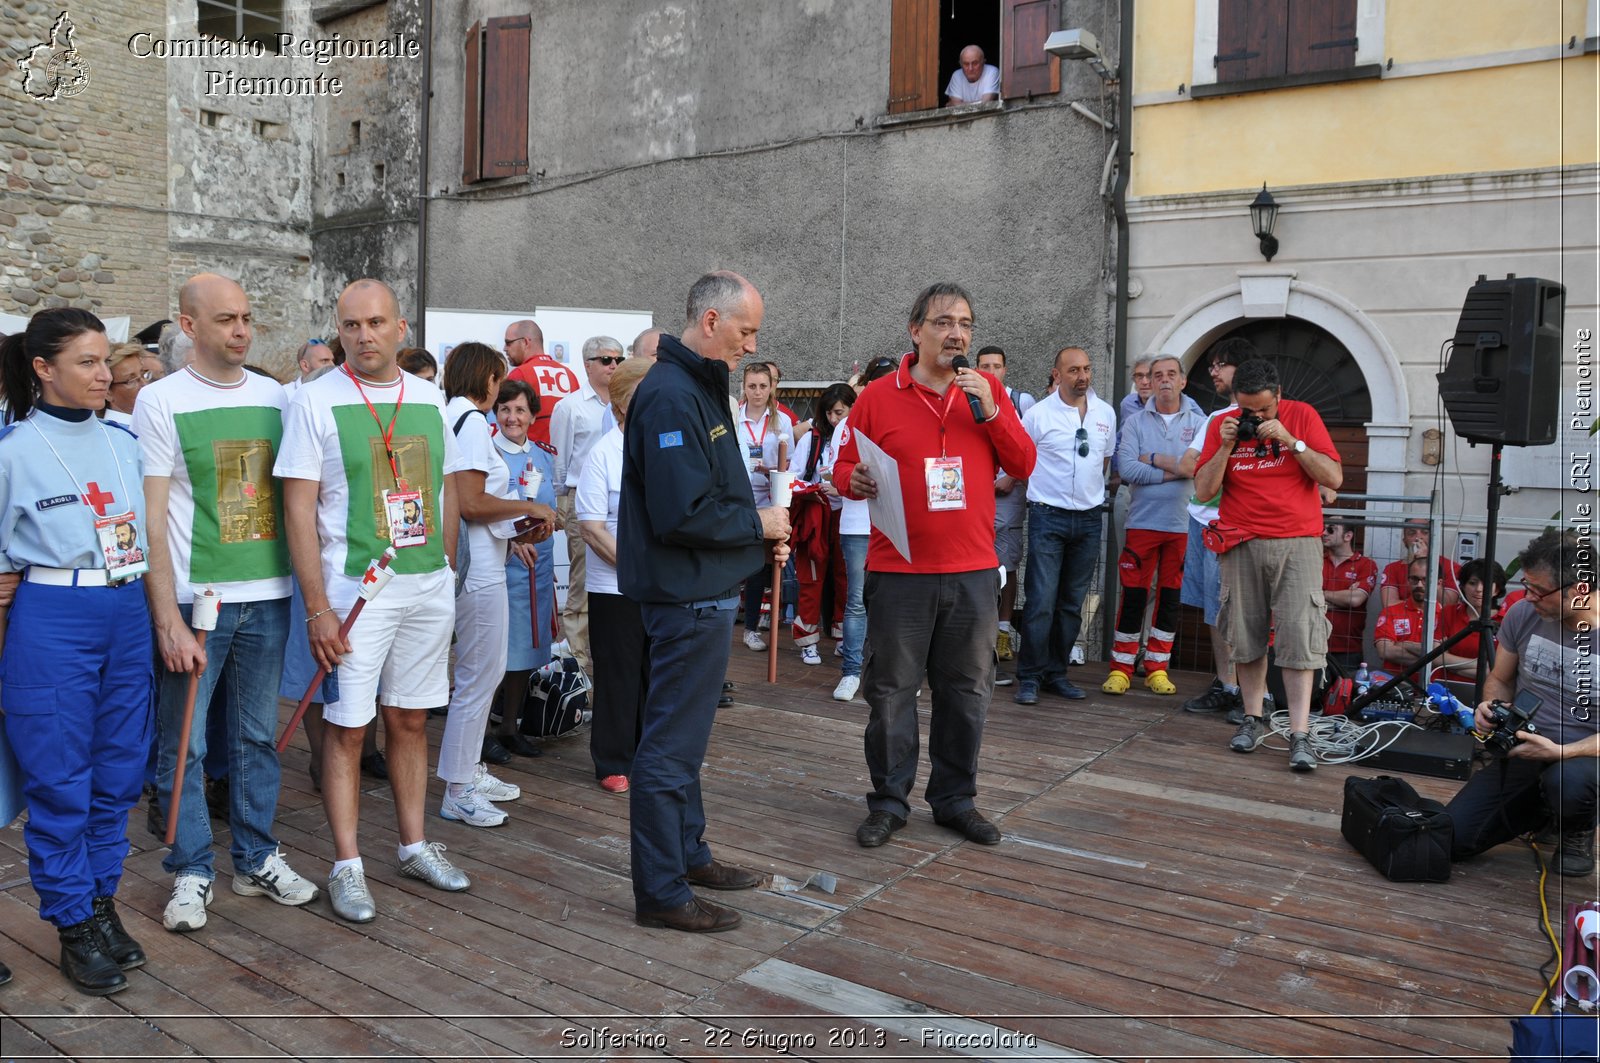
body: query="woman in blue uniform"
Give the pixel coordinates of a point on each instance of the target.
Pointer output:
(531, 465)
(76, 673)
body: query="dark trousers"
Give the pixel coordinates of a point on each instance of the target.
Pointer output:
(78, 685)
(1508, 798)
(689, 647)
(621, 676)
(942, 626)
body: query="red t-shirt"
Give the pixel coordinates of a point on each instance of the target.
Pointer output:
(908, 421)
(1453, 618)
(553, 381)
(1402, 622)
(1395, 572)
(1349, 624)
(1268, 494)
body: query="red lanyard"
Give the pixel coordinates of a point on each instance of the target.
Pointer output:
(941, 414)
(749, 432)
(388, 433)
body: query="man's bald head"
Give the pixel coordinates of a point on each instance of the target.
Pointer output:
(524, 339)
(202, 286)
(645, 344)
(367, 286)
(214, 313)
(972, 62)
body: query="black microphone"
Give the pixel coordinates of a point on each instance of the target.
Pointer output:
(960, 362)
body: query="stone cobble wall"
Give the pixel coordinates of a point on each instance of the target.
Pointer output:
(83, 179)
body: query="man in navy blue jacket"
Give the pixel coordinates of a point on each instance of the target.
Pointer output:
(688, 533)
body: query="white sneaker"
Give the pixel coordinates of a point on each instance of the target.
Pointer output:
(1076, 656)
(838, 649)
(846, 690)
(187, 908)
(471, 808)
(492, 789)
(277, 880)
(754, 641)
(809, 655)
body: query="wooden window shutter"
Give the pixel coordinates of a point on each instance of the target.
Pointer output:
(1321, 35)
(471, 123)
(506, 50)
(913, 55)
(1251, 35)
(1025, 68)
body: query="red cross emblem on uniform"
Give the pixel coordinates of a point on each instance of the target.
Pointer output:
(558, 380)
(97, 499)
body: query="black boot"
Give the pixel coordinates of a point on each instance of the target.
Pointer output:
(113, 939)
(84, 962)
(1575, 855)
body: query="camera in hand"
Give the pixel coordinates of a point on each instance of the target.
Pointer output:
(1248, 423)
(1512, 720)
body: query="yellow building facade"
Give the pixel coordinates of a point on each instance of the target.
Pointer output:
(1411, 145)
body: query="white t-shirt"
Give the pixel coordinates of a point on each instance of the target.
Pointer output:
(761, 436)
(487, 542)
(1198, 510)
(331, 435)
(988, 84)
(1062, 477)
(853, 516)
(217, 444)
(599, 490)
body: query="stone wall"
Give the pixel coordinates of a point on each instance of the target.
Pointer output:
(82, 208)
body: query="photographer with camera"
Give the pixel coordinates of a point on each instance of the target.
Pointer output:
(1268, 456)
(1549, 776)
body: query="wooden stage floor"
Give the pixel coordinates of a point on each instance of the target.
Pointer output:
(1156, 897)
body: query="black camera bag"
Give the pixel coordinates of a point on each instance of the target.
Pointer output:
(1406, 836)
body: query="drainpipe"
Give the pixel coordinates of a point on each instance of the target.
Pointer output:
(422, 181)
(1119, 349)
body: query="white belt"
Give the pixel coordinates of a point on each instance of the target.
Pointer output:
(68, 577)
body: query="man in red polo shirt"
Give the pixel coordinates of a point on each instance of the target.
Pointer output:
(1268, 455)
(1399, 632)
(1414, 539)
(553, 380)
(1348, 578)
(932, 614)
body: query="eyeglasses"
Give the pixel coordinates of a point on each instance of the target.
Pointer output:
(950, 324)
(1083, 442)
(608, 359)
(1538, 595)
(132, 381)
(1417, 579)
(516, 339)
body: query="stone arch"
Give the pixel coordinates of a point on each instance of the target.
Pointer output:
(1265, 294)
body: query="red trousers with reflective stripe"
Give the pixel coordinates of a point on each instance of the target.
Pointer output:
(1148, 555)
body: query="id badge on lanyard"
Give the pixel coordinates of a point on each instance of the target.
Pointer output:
(408, 521)
(943, 477)
(119, 542)
(947, 485)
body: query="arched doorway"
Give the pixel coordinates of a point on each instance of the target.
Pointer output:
(1316, 368)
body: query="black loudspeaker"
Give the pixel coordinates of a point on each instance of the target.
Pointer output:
(1502, 383)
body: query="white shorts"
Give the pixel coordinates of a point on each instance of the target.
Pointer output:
(400, 651)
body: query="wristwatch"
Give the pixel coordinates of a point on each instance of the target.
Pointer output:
(1299, 446)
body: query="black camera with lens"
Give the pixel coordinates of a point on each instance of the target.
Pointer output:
(1248, 423)
(1512, 720)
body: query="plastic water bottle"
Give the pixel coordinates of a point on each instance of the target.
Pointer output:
(1363, 679)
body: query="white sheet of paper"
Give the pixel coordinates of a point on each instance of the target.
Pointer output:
(888, 511)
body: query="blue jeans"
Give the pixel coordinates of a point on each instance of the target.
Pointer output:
(689, 647)
(244, 656)
(1063, 550)
(854, 548)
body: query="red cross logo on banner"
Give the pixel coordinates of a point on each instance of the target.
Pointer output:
(97, 500)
